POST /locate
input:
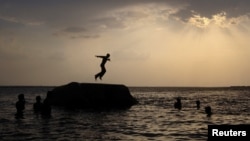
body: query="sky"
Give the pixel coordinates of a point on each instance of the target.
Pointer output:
(151, 42)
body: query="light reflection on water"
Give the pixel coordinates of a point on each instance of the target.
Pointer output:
(154, 118)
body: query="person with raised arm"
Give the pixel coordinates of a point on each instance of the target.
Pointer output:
(103, 69)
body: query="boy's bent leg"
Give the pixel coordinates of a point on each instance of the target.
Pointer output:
(97, 75)
(101, 74)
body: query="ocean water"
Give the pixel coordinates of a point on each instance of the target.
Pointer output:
(154, 118)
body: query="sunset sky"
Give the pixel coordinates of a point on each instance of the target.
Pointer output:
(151, 42)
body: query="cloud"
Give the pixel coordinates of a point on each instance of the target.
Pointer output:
(85, 36)
(74, 29)
(75, 32)
(90, 19)
(203, 12)
(21, 21)
(63, 12)
(207, 9)
(220, 20)
(108, 22)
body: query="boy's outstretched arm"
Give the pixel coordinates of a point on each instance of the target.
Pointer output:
(98, 56)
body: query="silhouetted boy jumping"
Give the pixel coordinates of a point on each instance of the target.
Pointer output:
(104, 60)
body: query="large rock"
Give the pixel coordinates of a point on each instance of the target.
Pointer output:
(92, 95)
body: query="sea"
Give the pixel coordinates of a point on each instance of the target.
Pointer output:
(154, 118)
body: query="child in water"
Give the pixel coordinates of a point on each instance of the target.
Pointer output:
(20, 106)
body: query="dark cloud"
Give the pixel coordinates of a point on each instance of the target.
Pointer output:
(57, 12)
(208, 8)
(90, 14)
(74, 29)
(85, 36)
(74, 32)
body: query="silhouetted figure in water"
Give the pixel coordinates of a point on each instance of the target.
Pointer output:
(103, 69)
(37, 107)
(208, 111)
(20, 106)
(46, 108)
(177, 104)
(198, 104)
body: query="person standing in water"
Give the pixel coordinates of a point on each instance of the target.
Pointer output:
(37, 107)
(103, 69)
(20, 106)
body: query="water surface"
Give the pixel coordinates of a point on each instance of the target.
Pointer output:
(154, 118)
